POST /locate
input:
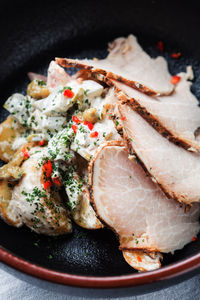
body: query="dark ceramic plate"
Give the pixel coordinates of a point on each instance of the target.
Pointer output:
(31, 35)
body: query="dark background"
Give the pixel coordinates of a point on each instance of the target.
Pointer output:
(33, 33)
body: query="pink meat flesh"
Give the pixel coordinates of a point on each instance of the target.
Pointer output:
(176, 116)
(128, 63)
(37, 76)
(57, 76)
(175, 169)
(135, 207)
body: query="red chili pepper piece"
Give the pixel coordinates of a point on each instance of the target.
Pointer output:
(176, 55)
(26, 154)
(89, 124)
(47, 169)
(47, 184)
(139, 258)
(68, 93)
(194, 239)
(41, 143)
(56, 180)
(74, 128)
(76, 120)
(175, 79)
(94, 134)
(160, 46)
(123, 118)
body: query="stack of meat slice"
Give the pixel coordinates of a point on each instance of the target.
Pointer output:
(127, 62)
(148, 189)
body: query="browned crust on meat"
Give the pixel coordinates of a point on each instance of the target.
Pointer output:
(68, 63)
(147, 250)
(90, 175)
(155, 122)
(129, 146)
(92, 201)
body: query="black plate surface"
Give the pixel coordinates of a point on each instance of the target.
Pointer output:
(34, 33)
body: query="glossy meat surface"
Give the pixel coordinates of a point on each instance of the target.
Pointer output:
(176, 116)
(175, 169)
(127, 62)
(135, 207)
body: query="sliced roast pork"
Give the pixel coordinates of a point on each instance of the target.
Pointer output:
(136, 208)
(127, 62)
(176, 117)
(57, 76)
(175, 169)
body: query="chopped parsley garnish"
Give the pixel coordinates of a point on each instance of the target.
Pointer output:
(41, 82)
(86, 92)
(36, 195)
(64, 88)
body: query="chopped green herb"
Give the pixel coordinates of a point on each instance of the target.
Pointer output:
(64, 88)
(86, 92)
(41, 82)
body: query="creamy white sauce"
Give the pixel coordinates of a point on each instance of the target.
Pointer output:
(86, 145)
(20, 107)
(46, 119)
(18, 142)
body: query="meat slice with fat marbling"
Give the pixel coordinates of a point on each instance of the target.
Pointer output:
(175, 169)
(136, 208)
(127, 62)
(176, 117)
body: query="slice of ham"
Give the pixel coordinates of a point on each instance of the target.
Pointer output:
(175, 169)
(127, 62)
(135, 207)
(57, 76)
(176, 117)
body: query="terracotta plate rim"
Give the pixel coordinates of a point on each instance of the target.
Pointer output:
(168, 272)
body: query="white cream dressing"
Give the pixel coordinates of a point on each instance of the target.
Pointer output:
(30, 210)
(18, 142)
(20, 107)
(86, 145)
(47, 119)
